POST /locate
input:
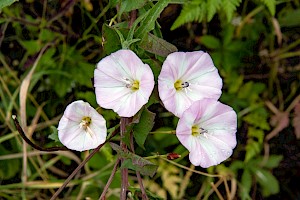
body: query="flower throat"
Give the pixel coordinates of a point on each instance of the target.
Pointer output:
(179, 85)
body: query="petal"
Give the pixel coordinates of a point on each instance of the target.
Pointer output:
(120, 64)
(208, 85)
(215, 151)
(110, 97)
(198, 70)
(67, 130)
(111, 75)
(220, 122)
(131, 105)
(198, 156)
(75, 111)
(199, 64)
(73, 136)
(104, 80)
(226, 136)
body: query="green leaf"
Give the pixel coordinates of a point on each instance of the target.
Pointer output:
(229, 6)
(32, 46)
(135, 162)
(111, 40)
(54, 134)
(101, 159)
(235, 83)
(212, 7)
(46, 35)
(155, 67)
(148, 23)
(271, 5)
(289, 18)
(246, 182)
(272, 162)
(142, 129)
(157, 45)
(5, 3)
(8, 168)
(137, 194)
(227, 35)
(113, 3)
(267, 181)
(256, 133)
(210, 42)
(253, 148)
(135, 24)
(258, 118)
(129, 5)
(194, 11)
(236, 165)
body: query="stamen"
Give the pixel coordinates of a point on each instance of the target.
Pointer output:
(179, 85)
(90, 132)
(196, 131)
(132, 84)
(85, 122)
(202, 131)
(185, 84)
(127, 82)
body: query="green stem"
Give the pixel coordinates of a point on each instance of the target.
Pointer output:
(189, 169)
(290, 46)
(289, 55)
(163, 132)
(155, 156)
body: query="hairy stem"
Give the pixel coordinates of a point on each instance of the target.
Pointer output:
(124, 171)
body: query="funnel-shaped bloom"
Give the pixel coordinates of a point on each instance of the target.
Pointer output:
(123, 83)
(81, 127)
(186, 77)
(207, 129)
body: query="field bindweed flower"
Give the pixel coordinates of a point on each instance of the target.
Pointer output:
(81, 127)
(187, 77)
(208, 130)
(123, 83)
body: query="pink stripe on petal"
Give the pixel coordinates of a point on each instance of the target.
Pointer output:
(78, 135)
(111, 96)
(216, 138)
(196, 69)
(200, 65)
(114, 77)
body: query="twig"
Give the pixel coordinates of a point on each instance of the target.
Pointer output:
(214, 186)
(216, 191)
(124, 171)
(81, 165)
(2, 33)
(102, 197)
(227, 189)
(20, 130)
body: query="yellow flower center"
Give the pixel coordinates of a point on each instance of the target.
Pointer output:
(85, 122)
(197, 131)
(133, 85)
(179, 85)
